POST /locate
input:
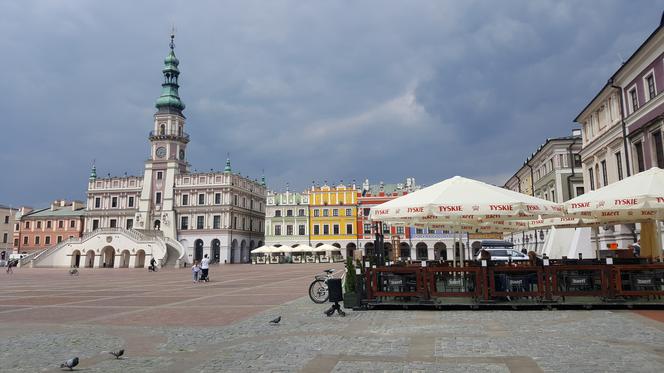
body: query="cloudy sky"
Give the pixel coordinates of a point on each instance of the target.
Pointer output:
(305, 90)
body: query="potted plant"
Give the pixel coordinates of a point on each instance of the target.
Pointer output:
(351, 299)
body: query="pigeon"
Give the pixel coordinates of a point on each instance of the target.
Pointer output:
(71, 363)
(276, 321)
(117, 354)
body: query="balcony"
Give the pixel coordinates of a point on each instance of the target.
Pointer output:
(154, 135)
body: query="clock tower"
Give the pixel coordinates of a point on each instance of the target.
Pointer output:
(168, 143)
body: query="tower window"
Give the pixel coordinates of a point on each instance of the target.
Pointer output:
(162, 129)
(157, 198)
(160, 175)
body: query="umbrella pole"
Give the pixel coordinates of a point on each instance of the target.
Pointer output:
(597, 247)
(461, 250)
(454, 248)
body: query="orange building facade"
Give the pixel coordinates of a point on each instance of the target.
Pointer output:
(44, 228)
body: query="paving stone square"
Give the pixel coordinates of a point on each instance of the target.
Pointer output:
(166, 323)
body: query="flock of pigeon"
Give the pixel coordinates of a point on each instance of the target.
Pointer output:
(71, 363)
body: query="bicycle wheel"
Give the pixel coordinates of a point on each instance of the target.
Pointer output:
(318, 291)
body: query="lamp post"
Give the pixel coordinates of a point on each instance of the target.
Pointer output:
(379, 247)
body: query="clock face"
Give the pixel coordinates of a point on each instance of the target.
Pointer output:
(161, 152)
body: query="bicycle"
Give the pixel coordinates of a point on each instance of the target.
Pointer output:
(318, 291)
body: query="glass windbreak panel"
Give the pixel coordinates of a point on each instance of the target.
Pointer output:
(642, 280)
(454, 282)
(397, 282)
(571, 281)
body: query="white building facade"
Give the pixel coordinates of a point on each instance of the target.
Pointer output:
(287, 219)
(168, 213)
(622, 128)
(554, 172)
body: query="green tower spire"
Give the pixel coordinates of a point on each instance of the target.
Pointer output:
(169, 100)
(227, 169)
(263, 179)
(93, 172)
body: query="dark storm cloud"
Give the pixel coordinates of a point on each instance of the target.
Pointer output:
(313, 90)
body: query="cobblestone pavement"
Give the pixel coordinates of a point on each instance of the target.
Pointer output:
(167, 324)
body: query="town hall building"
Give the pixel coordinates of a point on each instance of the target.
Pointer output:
(168, 213)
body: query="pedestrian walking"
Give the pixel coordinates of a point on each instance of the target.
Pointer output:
(196, 270)
(153, 265)
(10, 266)
(205, 267)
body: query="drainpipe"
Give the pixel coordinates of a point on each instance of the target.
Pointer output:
(622, 122)
(532, 192)
(523, 233)
(571, 160)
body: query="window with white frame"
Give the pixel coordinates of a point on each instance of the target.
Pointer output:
(619, 165)
(650, 86)
(640, 163)
(633, 99)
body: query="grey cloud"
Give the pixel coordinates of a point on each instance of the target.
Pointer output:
(305, 90)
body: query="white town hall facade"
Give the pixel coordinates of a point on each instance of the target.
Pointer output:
(169, 213)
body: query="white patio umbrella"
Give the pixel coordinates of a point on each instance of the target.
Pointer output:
(260, 250)
(302, 249)
(638, 198)
(324, 247)
(280, 249)
(463, 200)
(465, 205)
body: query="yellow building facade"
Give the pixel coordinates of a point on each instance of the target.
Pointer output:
(333, 216)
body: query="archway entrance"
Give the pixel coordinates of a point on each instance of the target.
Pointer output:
(216, 251)
(233, 250)
(157, 225)
(388, 250)
(90, 259)
(244, 255)
(76, 259)
(404, 250)
(198, 249)
(350, 250)
(422, 251)
(140, 259)
(124, 259)
(369, 249)
(440, 251)
(107, 257)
